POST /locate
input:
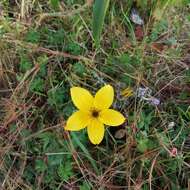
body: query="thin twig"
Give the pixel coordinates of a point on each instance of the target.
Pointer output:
(151, 170)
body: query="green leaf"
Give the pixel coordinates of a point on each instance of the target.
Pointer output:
(37, 85)
(142, 4)
(40, 166)
(99, 12)
(32, 36)
(45, 138)
(25, 64)
(145, 144)
(54, 4)
(79, 69)
(25, 133)
(57, 97)
(55, 160)
(85, 186)
(65, 171)
(42, 61)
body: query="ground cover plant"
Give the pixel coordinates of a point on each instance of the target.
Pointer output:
(138, 49)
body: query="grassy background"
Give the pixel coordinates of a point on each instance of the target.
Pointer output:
(46, 47)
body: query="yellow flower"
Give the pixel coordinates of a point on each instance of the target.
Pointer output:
(93, 112)
(127, 92)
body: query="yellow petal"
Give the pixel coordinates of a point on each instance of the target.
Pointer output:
(104, 97)
(77, 121)
(82, 98)
(111, 117)
(95, 131)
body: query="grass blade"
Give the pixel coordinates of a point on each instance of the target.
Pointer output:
(83, 148)
(99, 12)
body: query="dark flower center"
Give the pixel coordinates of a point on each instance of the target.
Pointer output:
(95, 113)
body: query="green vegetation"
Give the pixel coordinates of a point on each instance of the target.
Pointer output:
(46, 47)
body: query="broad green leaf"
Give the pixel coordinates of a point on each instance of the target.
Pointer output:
(99, 12)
